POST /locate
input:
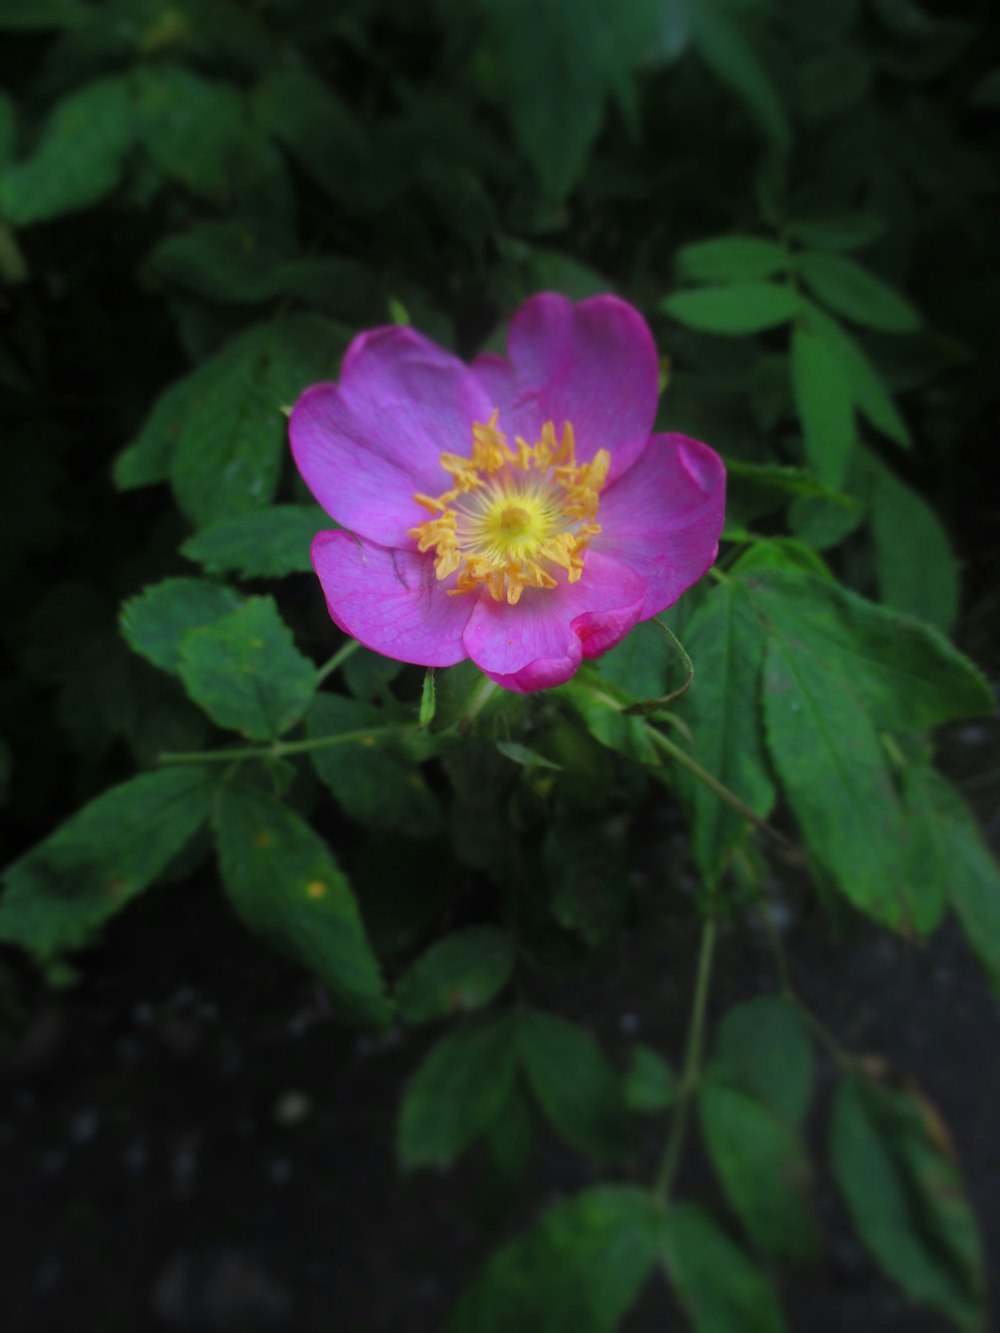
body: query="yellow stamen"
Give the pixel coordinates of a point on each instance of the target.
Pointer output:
(513, 516)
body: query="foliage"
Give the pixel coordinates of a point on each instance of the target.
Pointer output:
(200, 205)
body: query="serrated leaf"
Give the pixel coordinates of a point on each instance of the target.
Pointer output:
(869, 395)
(917, 570)
(737, 309)
(761, 1165)
(731, 259)
(726, 643)
(836, 231)
(460, 972)
(893, 1164)
(947, 856)
(457, 1091)
(155, 621)
(246, 672)
(283, 881)
(762, 1047)
(719, 1287)
(727, 51)
(376, 782)
(854, 292)
(579, 1268)
(823, 403)
(265, 544)
(574, 1084)
(650, 1083)
(79, 156)
(101, 858)
(231, 446)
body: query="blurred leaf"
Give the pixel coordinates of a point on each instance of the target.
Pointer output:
(146, 461)
(743, 307)
(986, 93)
(458, 1090)
(524, 755)
(231, 445)
(762, 1047)
(823, 402)
(727, 51)
(246, 672)
(575, 1085)
(893, 1163)
(234, 260)
(754, 489)
(460, 972)
(31, 15)
(836, 231)
(946, 855)
(78, 159)
(103, 856)
(265, 544)
(854, 292)
(721, 1290)
(155, 621)
(583, 863)
(578, 1269)
(511, 1135)
(731, 259)
(650, 1083)
(867, 391)
(917, 570)
(726, 644)
(369, 674)
(283, 881)
(374, 782)
(307, 118)
(762, 1168)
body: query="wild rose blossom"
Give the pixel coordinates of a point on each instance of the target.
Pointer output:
(515, 511)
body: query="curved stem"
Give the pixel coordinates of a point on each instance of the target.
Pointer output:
(338, 659)
(692, 1063)
(278, 749)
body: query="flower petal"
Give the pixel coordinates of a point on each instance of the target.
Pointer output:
(365, 445)
(540, 641)
(592, 364)
(665, 516)
(390, 600)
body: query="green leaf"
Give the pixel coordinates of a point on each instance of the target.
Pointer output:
(728, 53)
(577, 1270)
(868, 393)
(650, 1083)
(246, 672)
(823, 403)
(101, 858)
(583, 865)
(917, 571)
(146, 461)
(640, 663)
(892, 1161)
(726, 644)
(457, 1092)
(754, 489)
(946, 856)
(37, 15)
(575, 1085)
(460, 972)
(306, 117)
(854, 292)
(231, 446)
(762, 1047)
(524, 755)
(762, 1167)
(721, 1290)
(836, 231)
(233, 260)
(155, 621)
(283, 881)
(743, 307)
(79, 157)
(368, 674)
(376, 782)
(731, 259)
(908, 674)
(264, 544)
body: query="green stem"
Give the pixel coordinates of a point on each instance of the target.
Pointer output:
(278, 749)
(338, 659)
(714, 785)
(479, 700)
(691, 1072)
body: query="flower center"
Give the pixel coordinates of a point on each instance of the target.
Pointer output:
(513, 516)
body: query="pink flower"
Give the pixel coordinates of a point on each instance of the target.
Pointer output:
(518, 511)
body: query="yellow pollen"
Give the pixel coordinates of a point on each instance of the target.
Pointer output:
(513, 517)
